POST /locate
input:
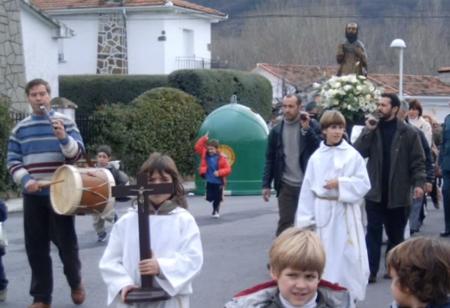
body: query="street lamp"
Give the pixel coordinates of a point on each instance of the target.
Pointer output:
(400, 44)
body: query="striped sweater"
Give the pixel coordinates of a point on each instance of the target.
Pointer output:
(34, 152)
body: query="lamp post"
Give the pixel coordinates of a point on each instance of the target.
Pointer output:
(400, 44)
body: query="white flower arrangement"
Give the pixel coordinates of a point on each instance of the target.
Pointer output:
(353, 95)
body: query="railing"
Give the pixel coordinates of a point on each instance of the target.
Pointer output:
(199, 63)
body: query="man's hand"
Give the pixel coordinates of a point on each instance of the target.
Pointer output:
(266, 194)
(58, 129)
(418, 192)
(371, 123)
(149, 267)
(32, 186)
(216, 173)
(428, 187)
(304, 120)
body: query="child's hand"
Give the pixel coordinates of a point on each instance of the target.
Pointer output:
(149, 267)
(216, 173)
(331, 184)
(125, 290)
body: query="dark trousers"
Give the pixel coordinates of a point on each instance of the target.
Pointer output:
(42, 225)
(394, 221)
(446, 197)
(287, 206)
(3, 280)
(214, 193)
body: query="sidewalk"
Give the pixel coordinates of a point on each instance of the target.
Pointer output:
(15, 205)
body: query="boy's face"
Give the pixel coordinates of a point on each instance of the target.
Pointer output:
(297, 287)
(102, 159)
(159, 178)
(211, 150)
(334, 134)
(401, 297)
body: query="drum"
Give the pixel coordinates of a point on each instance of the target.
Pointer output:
(80, 191)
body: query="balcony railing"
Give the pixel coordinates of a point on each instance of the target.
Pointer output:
(199, 63)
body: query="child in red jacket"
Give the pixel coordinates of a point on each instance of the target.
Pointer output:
(214, 168)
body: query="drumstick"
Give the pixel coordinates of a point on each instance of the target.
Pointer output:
(50, 183)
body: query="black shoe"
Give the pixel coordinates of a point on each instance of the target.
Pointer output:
(372, 278)
(445, 234)
(387, 276)
(412, 231)
(116, 218)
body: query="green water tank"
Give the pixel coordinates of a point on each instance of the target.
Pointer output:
(242, 135)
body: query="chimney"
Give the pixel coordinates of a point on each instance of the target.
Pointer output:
(444, 74)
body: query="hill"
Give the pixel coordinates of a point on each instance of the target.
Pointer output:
(307, 32)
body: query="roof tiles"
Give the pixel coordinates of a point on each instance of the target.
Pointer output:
(304, 76)
(48, 5)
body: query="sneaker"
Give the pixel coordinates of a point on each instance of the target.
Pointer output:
(101, 236)
(3, 295)
(216, 215)
(372, 278)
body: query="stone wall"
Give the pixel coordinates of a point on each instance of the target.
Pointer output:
(12, 69)
(112, 55)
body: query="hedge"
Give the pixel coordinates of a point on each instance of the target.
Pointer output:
(214, 88)
(163, 119)
(5, 129)
(91, 91)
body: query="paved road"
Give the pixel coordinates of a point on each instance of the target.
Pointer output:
(235, 248)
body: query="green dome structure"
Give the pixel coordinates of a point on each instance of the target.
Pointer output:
(242, 135)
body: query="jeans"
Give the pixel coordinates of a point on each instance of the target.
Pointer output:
(3, 280)
(446, 197)
(414, 215)
(394, 221)
(42, 225)
(287, 206)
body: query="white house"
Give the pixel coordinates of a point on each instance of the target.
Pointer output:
(41, 35)
(133, 36)
(29, 49)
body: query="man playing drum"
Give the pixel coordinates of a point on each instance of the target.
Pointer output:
(37, 146)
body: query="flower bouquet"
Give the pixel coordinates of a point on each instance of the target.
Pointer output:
(353, 95)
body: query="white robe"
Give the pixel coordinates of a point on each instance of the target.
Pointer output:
(336, 213)
(176, 244)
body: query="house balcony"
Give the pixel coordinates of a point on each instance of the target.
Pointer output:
(199, 63)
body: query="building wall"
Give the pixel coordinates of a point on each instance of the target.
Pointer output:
(145, 53)
(12, 70)
(80, 51)
(40, 50)
(277, 84)
(175, 48)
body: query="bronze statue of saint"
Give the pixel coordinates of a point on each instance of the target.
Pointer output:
(351, 55)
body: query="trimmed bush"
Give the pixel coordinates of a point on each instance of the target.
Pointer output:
(163, 119)
(91, 91)
(5, 129)
(214, 88)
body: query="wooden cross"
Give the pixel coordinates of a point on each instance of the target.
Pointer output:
(147, 292)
